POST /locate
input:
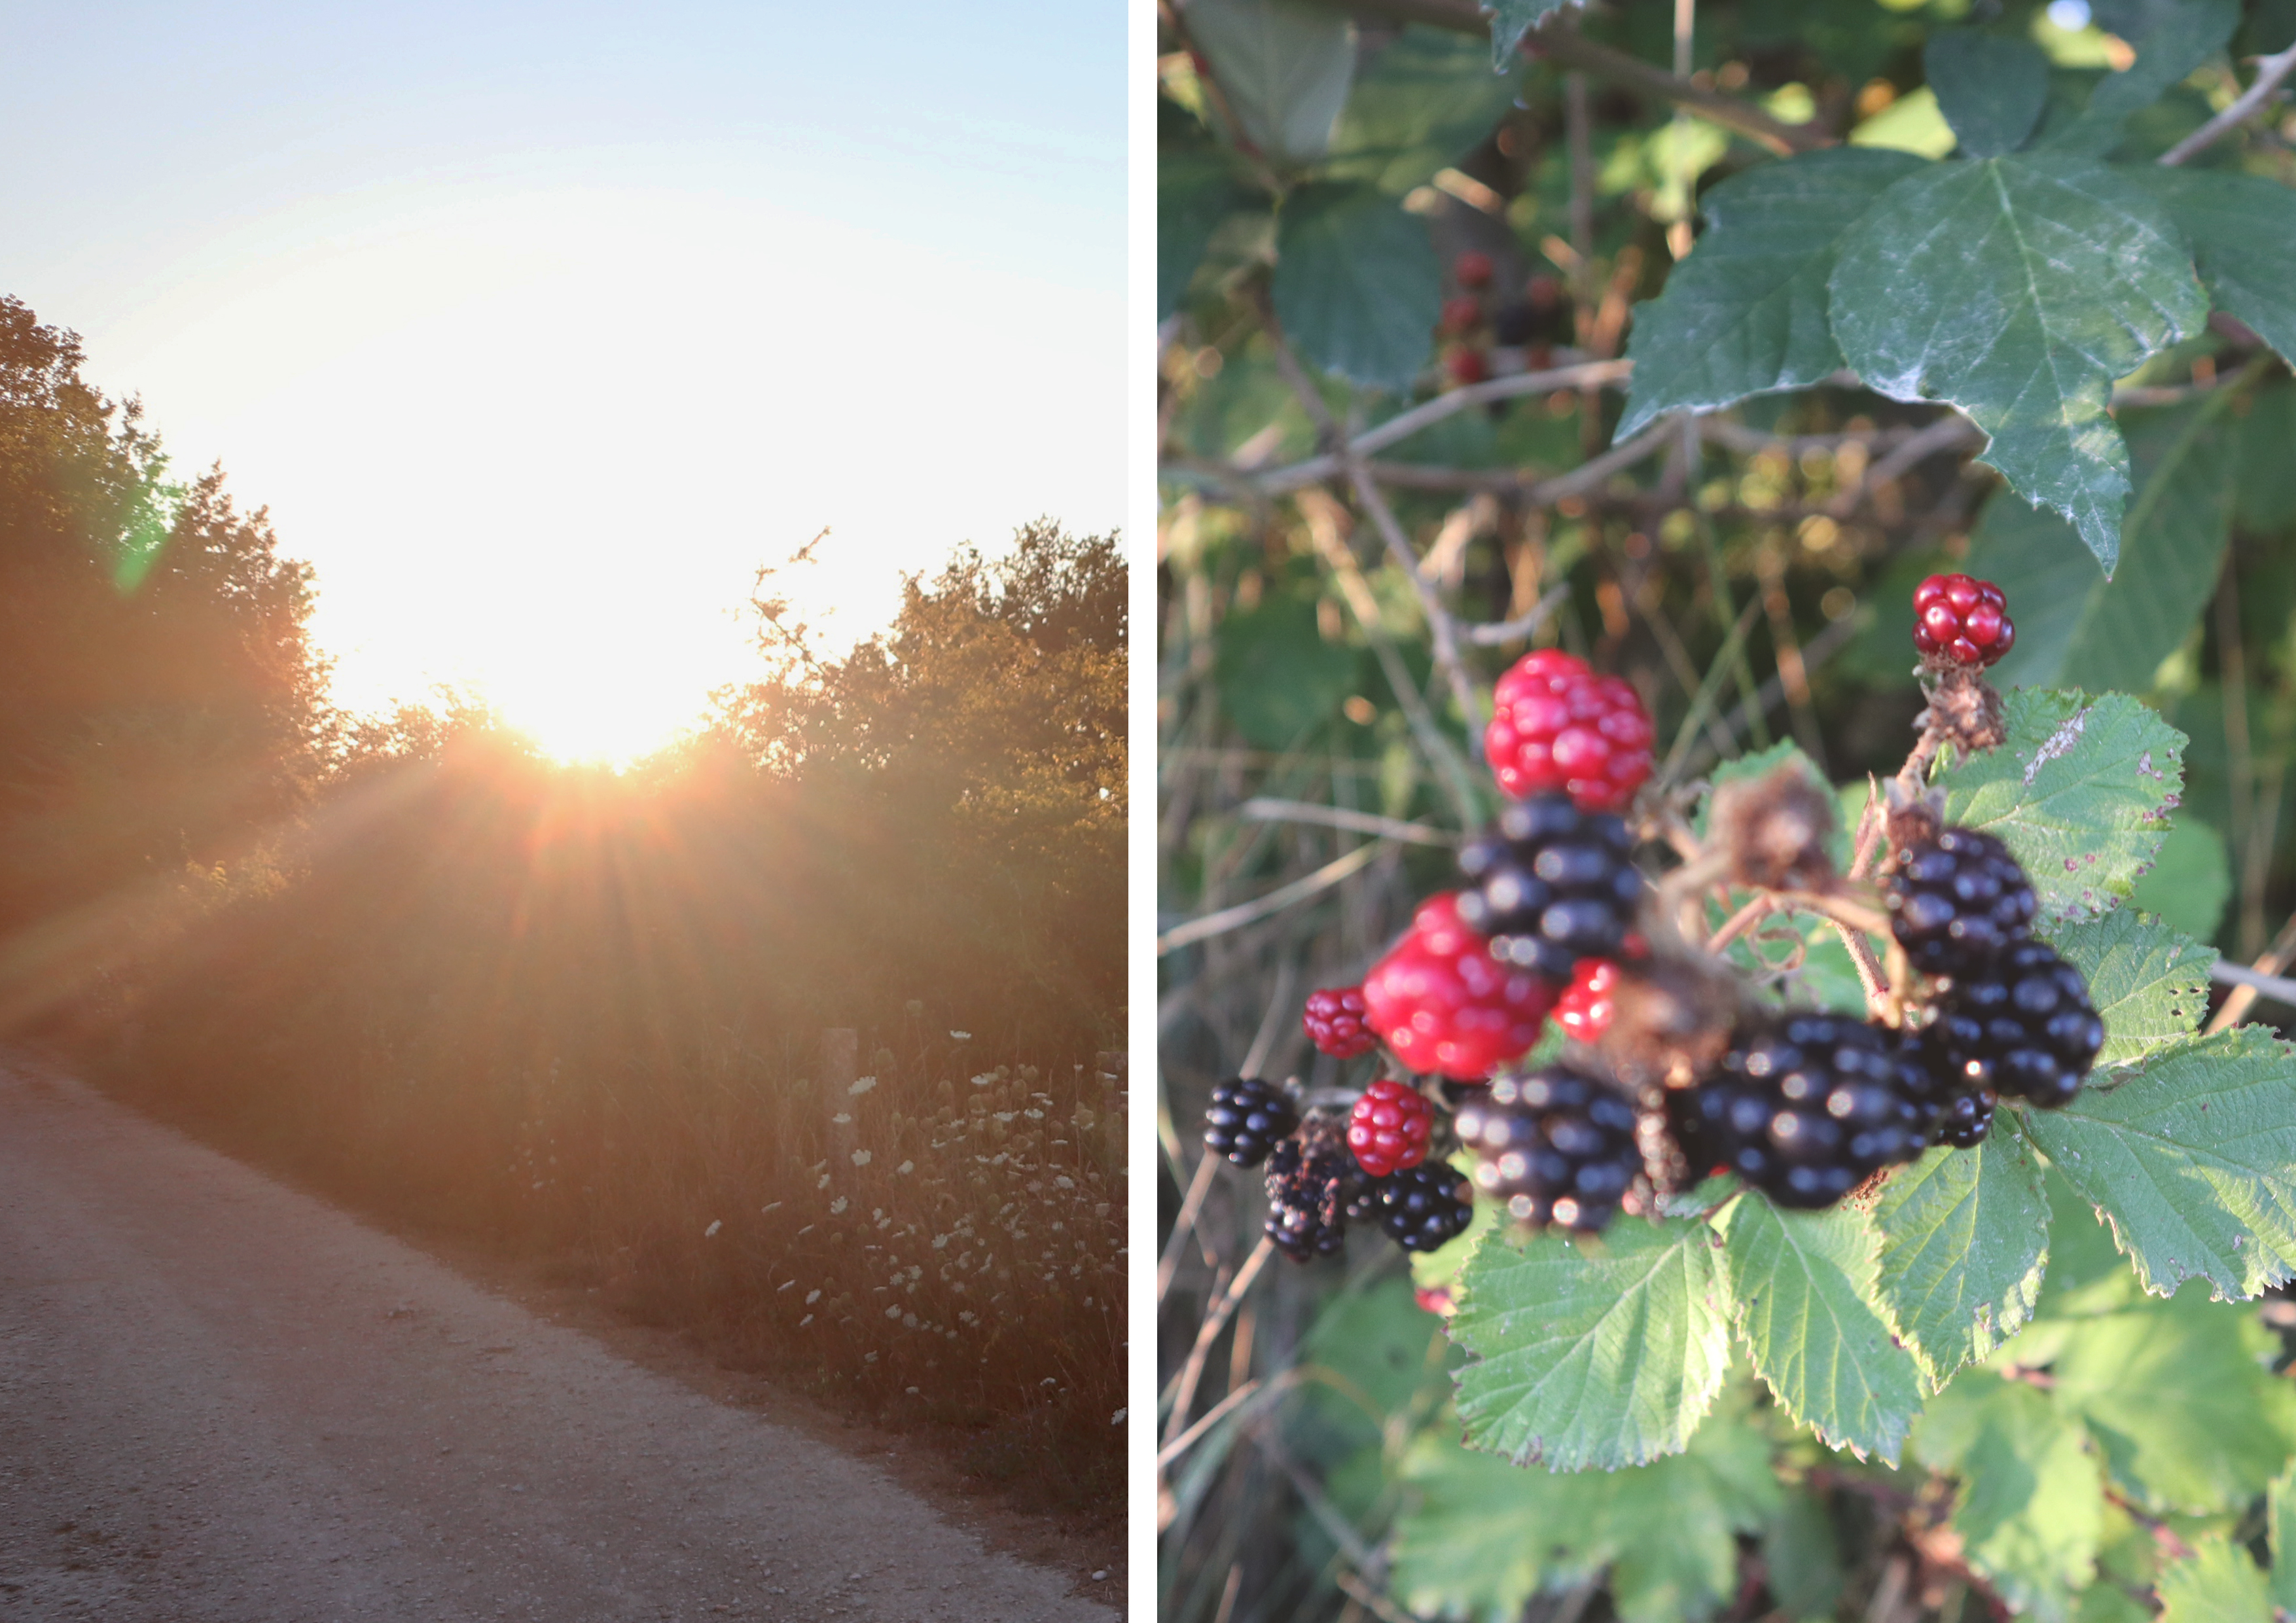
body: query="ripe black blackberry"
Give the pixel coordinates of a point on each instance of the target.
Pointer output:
(1967, 1119)
(2025, 1026)
(1246, 1118)
(1422, 1208)
(1806, 1108)
(1549, 884)
(1958, 902)
(1554, 1147)
(1312, 1181)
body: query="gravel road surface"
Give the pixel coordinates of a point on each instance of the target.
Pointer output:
(222, 1401)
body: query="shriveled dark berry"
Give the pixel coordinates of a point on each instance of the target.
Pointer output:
(1311, 1182)
(1806, 1108)
(1245, 1119)
(2024, 1027)
(1958, 902)
(1425, 1206)
(1554, 1147)
(1550, 884)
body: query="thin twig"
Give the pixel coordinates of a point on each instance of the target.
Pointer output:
(1503, 632)
(1184, 1395)
(2223, 971)
(1442, 625)
(1819, 648)
(2236, 1002)
(1403, 425)
(1275, 901)
(1199, 1186)
(2269, 71)
(1266, 808)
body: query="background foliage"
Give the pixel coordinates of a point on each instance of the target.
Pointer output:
(1789, 307)
(578, 1013)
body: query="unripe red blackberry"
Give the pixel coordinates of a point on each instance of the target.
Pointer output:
(1551, 885)
(1445, 1005)
(1473, 268)
(1557, 725)
(1807, 1109)
(1957, 903)
(1424, 1208)
(1467, 367)
(1246, 1118)
(1584, 1011)
(1334, 1023)
(1961, 621)
(1311, 1180)
(1554, 1147)
(1389, 1128)
(2024, 1025)
(1462, 314)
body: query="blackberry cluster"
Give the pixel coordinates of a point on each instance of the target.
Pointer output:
(1311, 1183)
(1247, 1118)
(1957, 903)
(2026, 1026)
(1423, 1208)
(1807, 1108)
(1550, 884)
(1967, 1119)
(1556, 1146)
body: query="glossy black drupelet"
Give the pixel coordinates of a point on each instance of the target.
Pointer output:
(2025, 1026)
(1807, 1109)
(1549, 884)
(1959, 902)
(1967, 1121)
(1246, 1118)
(1552, 1147)
(1311, 1182)
(1422, 1208)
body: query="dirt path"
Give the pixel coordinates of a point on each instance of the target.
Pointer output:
(222, 1401)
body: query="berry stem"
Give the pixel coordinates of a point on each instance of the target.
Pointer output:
(1741, 922)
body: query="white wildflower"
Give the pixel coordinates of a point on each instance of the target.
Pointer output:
(861, 1157)
(861, 1085)
(837, 1207)
(802, 1322)
(906, 1168)
(715, 1225)
(812, 1297)
(962, 1037)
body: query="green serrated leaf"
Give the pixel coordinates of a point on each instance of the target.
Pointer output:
(1990, 86)
(1460, 1550)
(2190, 1156)
(1423, 101)
(2242, 229)
(2187, 35)
(1283, 68)
(1798, 1286)
(1356, 285)
(1194, 192)
(2179, 1398)
(2031, 1505)
(1965, 1241)
(2216, 1583)
(2280, 1523)
(2078, 793)
(1746, 313)
(2018, 288)
(2189, 881)
(2149, 982)
(1511, 19)
(1590, 1353)
(2083, 630)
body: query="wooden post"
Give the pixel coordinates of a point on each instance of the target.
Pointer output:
(840, 1048)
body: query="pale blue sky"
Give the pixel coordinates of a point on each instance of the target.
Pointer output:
(538, 328)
